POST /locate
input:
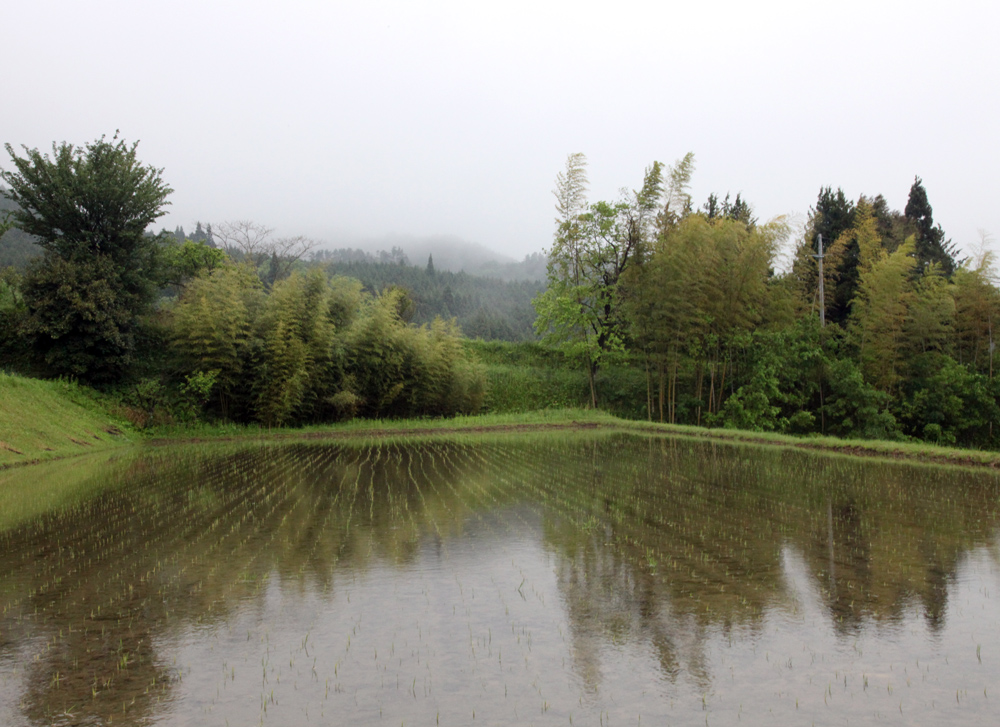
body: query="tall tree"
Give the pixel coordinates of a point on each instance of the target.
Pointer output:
(677, 204)
(98, 199)
(580, 311)
(666, 299)
(834, 215)
(89, 208)
(296, 356)
(930, 324)
(855, 248)
(931, 246)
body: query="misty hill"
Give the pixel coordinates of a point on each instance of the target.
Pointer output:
(450, 254)
(16, 247)
(486, 308)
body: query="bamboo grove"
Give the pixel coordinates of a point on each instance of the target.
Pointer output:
(695, 299)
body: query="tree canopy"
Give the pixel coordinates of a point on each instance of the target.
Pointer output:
(88, 208)
(97, 199)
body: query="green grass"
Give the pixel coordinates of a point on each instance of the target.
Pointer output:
(527, 376)
(920, 451)
(566, 417)
(42, 420)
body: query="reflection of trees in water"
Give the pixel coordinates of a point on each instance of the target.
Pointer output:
(678, 551)
(657, 542)
(89, 618)
(94, 590)
(610, 602)
(97, 672)
(849, 575)
(887, 538)
(693, 533)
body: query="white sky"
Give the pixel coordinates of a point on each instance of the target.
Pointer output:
(422, 118)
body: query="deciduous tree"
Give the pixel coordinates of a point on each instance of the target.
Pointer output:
(89, 208)
(580, 310)
(253, 243)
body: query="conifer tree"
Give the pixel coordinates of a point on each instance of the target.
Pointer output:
(930, 244)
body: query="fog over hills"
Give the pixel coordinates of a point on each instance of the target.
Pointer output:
(449, 252)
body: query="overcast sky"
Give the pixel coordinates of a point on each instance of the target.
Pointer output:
(336, 119)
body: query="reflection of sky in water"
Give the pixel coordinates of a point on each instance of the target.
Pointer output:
(478, 625)
(598, 581)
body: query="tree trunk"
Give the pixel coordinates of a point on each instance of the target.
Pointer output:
(699, 382)
(711, 386)
(593, 389)
(649, 392)
(991, 347)
(673, 391)
(822, 409)
(662, 393)
(722, 386)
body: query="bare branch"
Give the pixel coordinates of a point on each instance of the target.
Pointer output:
(245, 239)
(286, 250)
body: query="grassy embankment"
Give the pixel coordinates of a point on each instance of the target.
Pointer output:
(42, 420)
(48, 419)
(527, 376)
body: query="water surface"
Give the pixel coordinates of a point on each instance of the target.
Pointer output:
(595, 578)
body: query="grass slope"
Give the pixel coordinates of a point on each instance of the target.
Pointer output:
(47, 419)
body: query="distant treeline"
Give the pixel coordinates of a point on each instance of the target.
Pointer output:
(494, 304)
(17, 248)
(449, 254)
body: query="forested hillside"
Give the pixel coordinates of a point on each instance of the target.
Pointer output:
(450, 254)
(486, 308)
(494, 305)
(16, 247)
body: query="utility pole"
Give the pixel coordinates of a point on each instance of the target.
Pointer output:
(822, 295)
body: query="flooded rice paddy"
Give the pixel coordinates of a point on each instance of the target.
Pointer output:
(586, 579)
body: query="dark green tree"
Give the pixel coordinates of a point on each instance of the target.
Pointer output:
(739, 209)
(833, 214)
(89, 208)
(80, 322)
(931, 245)
(199, 234)
(712, 208)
